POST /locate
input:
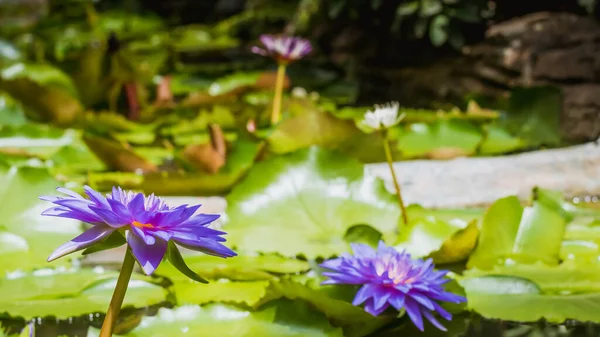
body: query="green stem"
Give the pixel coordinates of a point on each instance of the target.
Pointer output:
(117, 299)
(388, 156)
(276, 115)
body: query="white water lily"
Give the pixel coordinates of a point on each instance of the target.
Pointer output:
(382, 117)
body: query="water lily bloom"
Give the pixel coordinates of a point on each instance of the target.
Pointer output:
(284, 49)
(146, 223)
(392, 278)
(382, 116)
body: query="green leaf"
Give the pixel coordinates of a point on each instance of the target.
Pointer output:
(335, 303)
(498, 141)
(438, 30)
(408, 8)
(430, 7)
(528, 234)
(41, 74)
(516, 299)
(562, 279)
(498, 232)
(21, 215)
(445, 135)
(304, 202)
(249, 293)
(11, 112)
(309, 126)
(284, 319)
(177, 261)
(242, 267)
(534, 115)
(233, 82)
(240, 159)
(73, 293)
(363, 234)
(540, 234)
(446, 241)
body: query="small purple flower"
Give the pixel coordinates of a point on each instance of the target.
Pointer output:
(284, 49)
(146, 223)
(392, 278)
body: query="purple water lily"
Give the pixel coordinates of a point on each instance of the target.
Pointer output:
(146, 223)
(392, 278)
(284, 49)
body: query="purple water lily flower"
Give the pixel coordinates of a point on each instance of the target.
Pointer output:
(284, 49)
(146, 223)
(392, 278)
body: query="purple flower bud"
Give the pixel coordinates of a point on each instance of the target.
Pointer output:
(284, 49)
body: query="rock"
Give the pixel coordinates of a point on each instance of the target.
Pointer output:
(546, 49)
(477, 182)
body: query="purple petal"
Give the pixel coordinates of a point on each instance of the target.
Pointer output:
(109, 217)
(69, 193)
(70, 214)
(206, 246)
(364, 293)
(136, 205)
(200, 220)
(268, 41)
(397, 301)
(148, 256)
(120, 210)
(83, 241)
(433, 320)
(259, 51)
(148, 239)
(371, 309)
(96, 197)
(414, 312)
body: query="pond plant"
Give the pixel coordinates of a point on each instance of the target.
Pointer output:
(382, 118)
(284, 50)
(150, 228)
(390, 278)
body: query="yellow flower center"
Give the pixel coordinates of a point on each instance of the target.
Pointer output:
(142, 225)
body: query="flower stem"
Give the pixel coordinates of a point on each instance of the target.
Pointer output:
(388, 156)
(276, 115)
(117, 299)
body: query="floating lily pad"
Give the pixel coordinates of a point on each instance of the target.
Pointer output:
(308, 126)
(529, 234)
(284, 319)
(21, 215)
(498, 141)
(68, 294)
(517, 299)
(303, 204)
(563, 279)
(430, 140)
(260, 267)
(445, 238)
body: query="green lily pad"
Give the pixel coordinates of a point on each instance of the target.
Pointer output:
(534, 115)
(248, 293)
(451, 135)
(234, 82)
(563, 279)
(445, 240)
(11, 112)
(309, 126)
(21, 215)
(303, 204)
(529, 234)
(498, 141)
(37, 140)
(517, 299)
(335, 302)
(283, 319)
(240, 159)
(260, 267)
(41, 74)
(72, 293)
